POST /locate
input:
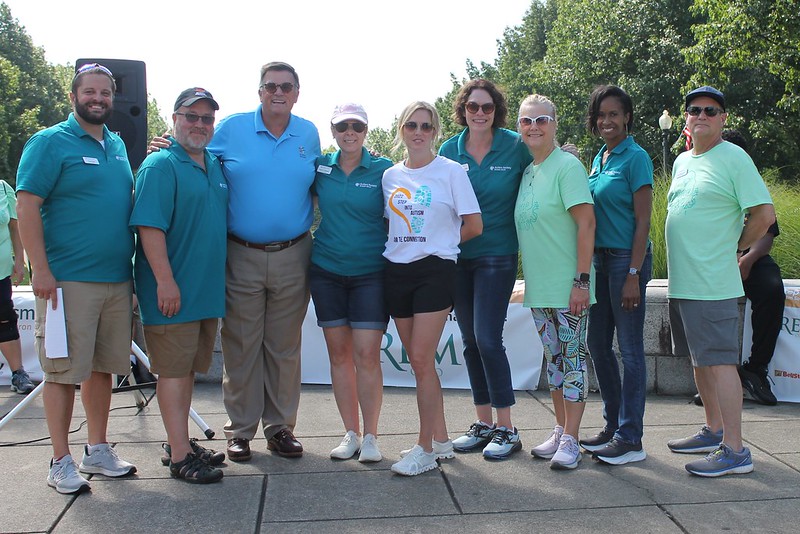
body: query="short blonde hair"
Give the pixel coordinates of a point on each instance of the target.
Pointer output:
(406, 114)
(533, 100)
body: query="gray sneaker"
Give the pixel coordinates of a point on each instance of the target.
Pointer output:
(21, 382)
(704, 441)
(478, 436)
(505, 442)
(105, 461)
(64, 476)
(723, 461)
(619, 452)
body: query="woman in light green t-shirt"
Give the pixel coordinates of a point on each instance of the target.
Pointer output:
(555, 226)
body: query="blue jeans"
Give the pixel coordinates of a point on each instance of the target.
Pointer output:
(483, 289)
(623, 399)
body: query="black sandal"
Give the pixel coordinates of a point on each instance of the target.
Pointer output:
(209, 456)
(194, 470)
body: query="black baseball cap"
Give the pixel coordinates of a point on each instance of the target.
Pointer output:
(708, 91)
(192, 95)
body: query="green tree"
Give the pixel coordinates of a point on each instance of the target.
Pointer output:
(156, 123)
(381, 141)
(750, 49)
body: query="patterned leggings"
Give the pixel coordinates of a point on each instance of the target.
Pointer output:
(564, 339)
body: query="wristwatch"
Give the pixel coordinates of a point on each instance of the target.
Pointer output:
(633, 271)
(582, 277)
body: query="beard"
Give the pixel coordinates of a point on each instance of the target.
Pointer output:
(91, 117)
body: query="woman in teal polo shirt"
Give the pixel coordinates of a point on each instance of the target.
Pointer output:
(494, 159)
(621, 182)
(346, 277)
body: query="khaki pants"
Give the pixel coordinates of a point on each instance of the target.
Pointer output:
(266, 298)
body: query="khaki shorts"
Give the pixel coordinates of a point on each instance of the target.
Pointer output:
(98, 319)
(177, 350)
(705, 330)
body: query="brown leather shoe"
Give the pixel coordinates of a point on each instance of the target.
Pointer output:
(285, 444)
(239, 449)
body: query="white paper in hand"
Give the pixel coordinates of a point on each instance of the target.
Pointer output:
(55, 334)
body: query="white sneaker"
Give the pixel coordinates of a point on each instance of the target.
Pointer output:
(568, 454)
(64, 476)
(369, 450)
(443, 449)
(549, 447)
(416, 462)
(105, 461)
(348, 447)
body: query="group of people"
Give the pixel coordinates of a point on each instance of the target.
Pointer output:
(223, 217)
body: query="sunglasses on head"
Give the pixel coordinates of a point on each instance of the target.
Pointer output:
(711, 111)
(358, 127)
(473, 107)
(271, 87)
(541, 120)
(192, 118)
(412, 126)
(93, 66)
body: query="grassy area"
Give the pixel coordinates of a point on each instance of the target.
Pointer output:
(785, 251)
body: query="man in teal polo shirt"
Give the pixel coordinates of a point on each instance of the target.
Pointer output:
(179, 213)
(74, 199)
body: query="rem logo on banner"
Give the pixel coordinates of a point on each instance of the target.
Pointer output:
(398, 357)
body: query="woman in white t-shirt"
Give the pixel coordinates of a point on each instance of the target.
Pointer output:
(431, 208)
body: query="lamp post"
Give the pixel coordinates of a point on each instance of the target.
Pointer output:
(665, 123)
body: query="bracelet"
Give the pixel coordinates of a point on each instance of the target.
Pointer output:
(580, 285)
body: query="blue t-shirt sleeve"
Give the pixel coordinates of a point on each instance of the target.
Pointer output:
(154, 199)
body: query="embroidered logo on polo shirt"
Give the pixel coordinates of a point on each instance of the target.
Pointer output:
(366, 185)
(301, 151)
(500, 168)
(121, 158)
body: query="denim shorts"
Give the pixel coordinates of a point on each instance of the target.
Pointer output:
(422, 286)
(354, 301)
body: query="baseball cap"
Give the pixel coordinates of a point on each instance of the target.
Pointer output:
(708, 91)
(349, 111)
(192, 95)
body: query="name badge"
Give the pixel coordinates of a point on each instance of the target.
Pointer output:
(465, 166)
(90, 161)
(324, 169)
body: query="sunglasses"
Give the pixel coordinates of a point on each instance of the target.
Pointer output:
(473, 107)
(711, 111)
(93, 66)
(541, 120)
(192, 118)
(271, 87)
(412, 126)
(358, 127)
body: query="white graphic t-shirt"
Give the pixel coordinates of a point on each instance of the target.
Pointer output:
(424, 208)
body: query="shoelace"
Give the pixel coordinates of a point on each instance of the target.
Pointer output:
(475, 429)
(569, 446)
(501, 437)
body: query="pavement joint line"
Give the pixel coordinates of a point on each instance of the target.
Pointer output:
(451, 491)
(262, 504)
(672, 518)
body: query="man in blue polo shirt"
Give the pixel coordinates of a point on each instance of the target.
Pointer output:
(268, 157)
(74, 199)
(179, 212)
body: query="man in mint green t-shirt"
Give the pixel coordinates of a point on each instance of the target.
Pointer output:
(713, 185)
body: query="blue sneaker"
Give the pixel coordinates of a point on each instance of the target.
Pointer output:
(722, 461)
(704, 441)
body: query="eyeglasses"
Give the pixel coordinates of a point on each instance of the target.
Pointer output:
(541, 120)
(473, 107)
(711, 111)
(93, 66)
(271, 87)
(358, 127)
(412, 126)
(192, 118)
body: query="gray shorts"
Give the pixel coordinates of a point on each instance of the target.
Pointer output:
(705, 330)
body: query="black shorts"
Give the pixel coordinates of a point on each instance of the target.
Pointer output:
(422, 286)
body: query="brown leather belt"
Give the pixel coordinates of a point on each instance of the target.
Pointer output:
(268, 247)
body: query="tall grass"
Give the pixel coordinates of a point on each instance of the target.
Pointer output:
(785, 250)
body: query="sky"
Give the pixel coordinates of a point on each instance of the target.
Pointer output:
(382, 55)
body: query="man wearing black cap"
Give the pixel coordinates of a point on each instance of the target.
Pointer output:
(712, 187)
(179, 212)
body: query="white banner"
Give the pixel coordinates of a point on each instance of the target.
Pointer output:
(784, 369)
(522, 345)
